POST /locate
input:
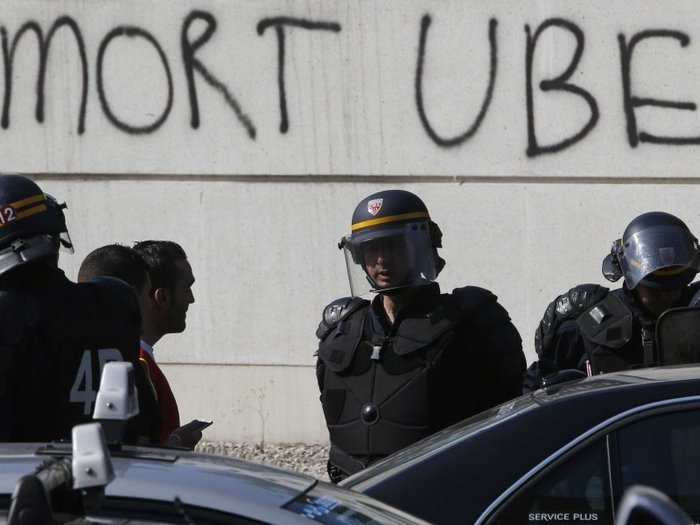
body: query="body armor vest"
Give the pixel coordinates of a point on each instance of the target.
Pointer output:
(616, 332)
(378, 390)
(618, 335)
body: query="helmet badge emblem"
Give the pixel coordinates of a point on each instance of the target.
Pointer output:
(374, 206)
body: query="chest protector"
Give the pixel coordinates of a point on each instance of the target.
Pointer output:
(616, 335)
(378, 390)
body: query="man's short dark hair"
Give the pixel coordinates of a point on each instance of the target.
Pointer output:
(161, 257)
(115, 260)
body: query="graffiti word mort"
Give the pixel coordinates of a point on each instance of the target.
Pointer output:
(193, 67)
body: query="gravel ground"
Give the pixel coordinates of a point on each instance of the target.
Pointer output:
(308, 459)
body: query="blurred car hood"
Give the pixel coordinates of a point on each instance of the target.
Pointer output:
(216, 482)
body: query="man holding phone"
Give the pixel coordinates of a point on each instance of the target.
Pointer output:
(162, 310)
(165, 312)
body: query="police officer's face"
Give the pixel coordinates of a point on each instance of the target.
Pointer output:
(657, 301)
(386, 261)
(180, 296)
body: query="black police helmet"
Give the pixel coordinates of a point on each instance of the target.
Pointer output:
(389, 207)
(32, 224)
(398, 221)
(657, 250)
(379, 213)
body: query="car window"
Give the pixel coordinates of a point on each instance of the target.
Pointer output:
(663, 452)
(575, 491)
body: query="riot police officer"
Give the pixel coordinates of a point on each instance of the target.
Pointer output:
(56, 335)
(596, 330)
(412, 360)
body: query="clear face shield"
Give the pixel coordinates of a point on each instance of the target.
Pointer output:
(66, 242)
(391, 258)
(666, 251)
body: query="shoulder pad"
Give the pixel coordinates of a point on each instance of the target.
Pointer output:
(470, 297)
(579, 298)
(337, 348)
(116, 288)
(337, 311)
(112, 283)
(18, 312)
(565, 307)
(608, 323)
(116, 296)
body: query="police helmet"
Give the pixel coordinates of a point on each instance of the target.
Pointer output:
(392, 245)
(32, 224)
(657, 250)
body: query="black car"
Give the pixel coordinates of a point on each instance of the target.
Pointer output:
(95, 478)
(153, 485)
(563, 454)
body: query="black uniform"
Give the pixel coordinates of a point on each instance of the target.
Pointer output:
(595, 330)
(55, 336)
(384, 386)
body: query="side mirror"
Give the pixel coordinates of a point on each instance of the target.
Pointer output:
(678, 336)
(647, 506)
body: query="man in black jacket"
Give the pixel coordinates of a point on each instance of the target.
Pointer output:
(595, 330)
(412, 360)
(56, 335)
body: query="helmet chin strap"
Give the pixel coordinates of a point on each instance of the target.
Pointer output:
(394, 290)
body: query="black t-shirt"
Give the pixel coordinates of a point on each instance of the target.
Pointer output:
(60, 336)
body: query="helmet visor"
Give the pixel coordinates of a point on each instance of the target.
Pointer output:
(66, 243)
(670, 253)
(391, 258)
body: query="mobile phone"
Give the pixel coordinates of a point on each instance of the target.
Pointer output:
(195, 425)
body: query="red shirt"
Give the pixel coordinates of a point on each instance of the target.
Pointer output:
(167, 406)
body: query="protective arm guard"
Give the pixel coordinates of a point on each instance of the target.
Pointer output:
(488, 345)
(565, 307)
(503, 357)
(558, 329)
(117, 297)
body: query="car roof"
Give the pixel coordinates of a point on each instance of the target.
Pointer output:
(502, 444)
(622, 378)
(216, 482)
(600, 386)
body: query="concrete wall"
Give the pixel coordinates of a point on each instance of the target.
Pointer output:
(529, 180)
